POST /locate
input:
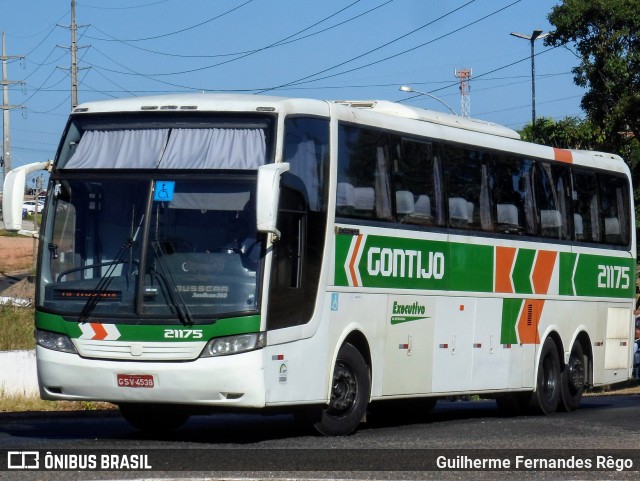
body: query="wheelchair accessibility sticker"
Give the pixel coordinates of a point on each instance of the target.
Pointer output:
(334, 301)
(164, 190)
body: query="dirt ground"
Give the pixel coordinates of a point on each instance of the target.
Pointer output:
(16, 254)
(16, 259)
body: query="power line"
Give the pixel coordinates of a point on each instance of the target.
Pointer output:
(133, 72)
(327, 87)
(130, 7)
(278, 43)
(481, 75)
(307, 79)
(529, 105)
(114, 83)
(370, 51)
(286, 41)
(182, 30)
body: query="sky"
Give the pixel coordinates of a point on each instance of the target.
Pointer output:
(330, 49)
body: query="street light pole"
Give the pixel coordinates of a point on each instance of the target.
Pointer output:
(532, 38)
(406, 88)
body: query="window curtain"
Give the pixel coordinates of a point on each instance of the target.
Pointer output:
(214, 149)
(170, 149)
(119, 149)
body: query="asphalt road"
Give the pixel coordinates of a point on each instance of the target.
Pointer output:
(225, 446)
(8, 281)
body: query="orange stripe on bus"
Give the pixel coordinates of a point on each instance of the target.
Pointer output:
(562, 155)
(100, 331)
(504, 262)
(543, 270)
(529, 321)
(354, 255)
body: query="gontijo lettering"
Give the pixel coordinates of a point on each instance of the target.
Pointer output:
(389, 262)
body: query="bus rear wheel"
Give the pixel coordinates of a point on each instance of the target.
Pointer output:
(350, 391)
(573, 380)
(154, 418)
(549, 380)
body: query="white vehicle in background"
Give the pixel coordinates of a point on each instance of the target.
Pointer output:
(30, 206)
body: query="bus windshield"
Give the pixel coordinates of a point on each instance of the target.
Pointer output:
(180, 249)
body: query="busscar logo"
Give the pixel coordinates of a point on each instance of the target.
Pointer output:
(23, 460)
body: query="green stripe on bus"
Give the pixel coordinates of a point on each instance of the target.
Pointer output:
(405, 263)
(342, 249)
(522, 271)
(604, 276)
(510, 313)
(470, 267)
(567, 265)
(154, 332)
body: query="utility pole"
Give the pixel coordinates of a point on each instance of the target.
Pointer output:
(74, 57)
(464, 74)
(6, 150)
(74, 54)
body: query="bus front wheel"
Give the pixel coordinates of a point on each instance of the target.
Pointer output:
(549, 380)
(350, 391)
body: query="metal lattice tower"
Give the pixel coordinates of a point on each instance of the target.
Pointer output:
(464, 74)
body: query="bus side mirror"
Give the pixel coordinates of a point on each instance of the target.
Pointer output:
(267, 196)
(13, 196)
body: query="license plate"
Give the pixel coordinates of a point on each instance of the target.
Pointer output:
(135, 380)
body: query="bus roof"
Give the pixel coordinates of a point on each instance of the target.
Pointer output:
(206, 102)
(226, 102)
(406, 111)
(244, 102)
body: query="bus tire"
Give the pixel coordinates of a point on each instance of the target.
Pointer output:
(350, 391)
(546, 396)
(573, 380)
(154, 418)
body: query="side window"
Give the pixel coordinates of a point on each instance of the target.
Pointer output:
(307, 151)
(614, 204)
(561, 177)
(550, 194)
(468, 189)
(514, 196)
(364, 184)
(586, 216)
(417, 184)
(302, 221)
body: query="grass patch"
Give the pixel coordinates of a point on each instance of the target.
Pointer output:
(16, 326)
(22, 403)
(6, 233)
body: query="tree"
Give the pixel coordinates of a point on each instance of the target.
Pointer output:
(568, 133)
(605, 35)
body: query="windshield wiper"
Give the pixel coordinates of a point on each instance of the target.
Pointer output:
(166, 274)
(106, 279)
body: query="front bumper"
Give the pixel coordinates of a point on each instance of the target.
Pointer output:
(236, 380)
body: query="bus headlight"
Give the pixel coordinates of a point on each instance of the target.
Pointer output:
(55, 341)
(223, 346)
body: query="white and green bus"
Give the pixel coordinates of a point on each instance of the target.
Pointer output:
(224, 251)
